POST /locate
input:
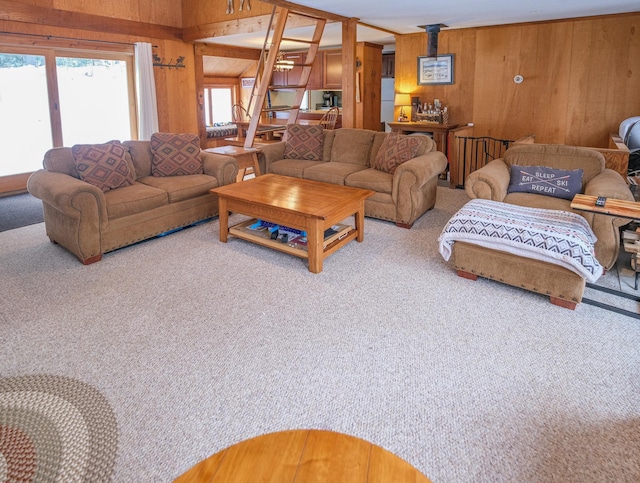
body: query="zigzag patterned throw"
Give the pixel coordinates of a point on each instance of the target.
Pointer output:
(552, 236)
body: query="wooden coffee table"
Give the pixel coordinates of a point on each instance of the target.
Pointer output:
(303, 456)
(310, 206)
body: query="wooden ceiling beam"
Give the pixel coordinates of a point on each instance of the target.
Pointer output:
(248, 25)
(314, 12)
(229, 51)
(20, 12)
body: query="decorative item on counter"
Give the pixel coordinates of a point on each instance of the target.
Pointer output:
(433, 113)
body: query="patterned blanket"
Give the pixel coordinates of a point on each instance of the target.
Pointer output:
(553, 236)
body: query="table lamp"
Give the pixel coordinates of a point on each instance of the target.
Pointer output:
(402, 100)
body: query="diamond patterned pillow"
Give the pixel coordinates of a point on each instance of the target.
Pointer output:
(304, 142)
(175, 154)
(103, 165)
(395, 150)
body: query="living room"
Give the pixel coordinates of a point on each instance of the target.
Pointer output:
(194, 345)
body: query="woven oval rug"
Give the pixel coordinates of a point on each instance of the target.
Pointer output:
(55, 429)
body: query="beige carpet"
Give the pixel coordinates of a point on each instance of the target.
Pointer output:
(197, 345)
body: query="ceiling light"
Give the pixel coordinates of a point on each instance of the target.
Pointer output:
(282, 64)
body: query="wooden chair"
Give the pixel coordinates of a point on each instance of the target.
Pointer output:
(328, 121)
(239, 113)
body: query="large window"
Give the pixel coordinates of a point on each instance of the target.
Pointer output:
(217, 104)
(51, 97)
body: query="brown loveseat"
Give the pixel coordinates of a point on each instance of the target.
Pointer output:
(89, 222)
(492, 182)
(348, 156)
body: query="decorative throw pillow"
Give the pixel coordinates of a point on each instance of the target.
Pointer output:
(103, 165)
(395, 150)
(304, 142)
(542, 180)
(175, 154)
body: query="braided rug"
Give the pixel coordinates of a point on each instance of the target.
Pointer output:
(55, 429)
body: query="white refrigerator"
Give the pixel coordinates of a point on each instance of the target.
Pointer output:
(386, 111)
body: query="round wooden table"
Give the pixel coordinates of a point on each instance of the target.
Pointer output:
(302, 456)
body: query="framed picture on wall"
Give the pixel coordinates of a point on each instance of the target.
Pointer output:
(247, 82)
(435, 71)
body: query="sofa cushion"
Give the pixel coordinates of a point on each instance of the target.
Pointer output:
(542, 180)
(304, 142)
(292, 167)
(179, 188)
(141, 157)
(537, 201)
(175, 154)
(332, 172)
(371, 179)
(395, 150)
(133, 199)
(352, 146)
(103, 165)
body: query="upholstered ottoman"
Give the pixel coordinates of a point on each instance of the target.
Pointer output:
(564, 287)
(546, 251)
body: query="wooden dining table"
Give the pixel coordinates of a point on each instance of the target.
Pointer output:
(267, 130)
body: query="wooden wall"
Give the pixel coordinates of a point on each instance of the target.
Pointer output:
(581, 77)
(202, 12)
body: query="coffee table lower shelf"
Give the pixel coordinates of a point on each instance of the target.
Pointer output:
(332, 243)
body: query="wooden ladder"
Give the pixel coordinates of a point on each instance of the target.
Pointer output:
(267, 63)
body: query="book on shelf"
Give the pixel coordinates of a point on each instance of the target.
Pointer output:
(291, 237)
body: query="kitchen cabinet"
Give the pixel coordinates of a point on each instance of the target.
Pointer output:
(332, 75)
(326, 71)
(316, 77)
(289, 78)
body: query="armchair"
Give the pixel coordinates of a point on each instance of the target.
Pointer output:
(492, 182)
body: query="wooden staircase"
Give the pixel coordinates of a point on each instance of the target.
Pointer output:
(267, 63)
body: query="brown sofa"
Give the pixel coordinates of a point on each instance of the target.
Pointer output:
(347, 159)
(89, 222)
(492, 182)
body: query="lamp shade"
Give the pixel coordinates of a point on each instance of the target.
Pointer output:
(402, 100)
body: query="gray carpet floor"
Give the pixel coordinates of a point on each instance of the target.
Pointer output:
(19, 210)
(199, 344)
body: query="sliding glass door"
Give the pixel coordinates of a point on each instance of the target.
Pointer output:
(51, 97)
(25, 123)
(94, 100)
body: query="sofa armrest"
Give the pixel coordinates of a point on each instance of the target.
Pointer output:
(489, 182)
(69, 195)
(609, 184)
(223, 168)
(422, 168)
(270, 154)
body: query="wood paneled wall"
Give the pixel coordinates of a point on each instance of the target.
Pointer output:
(160, 12)
(199, 12)
(581, 77)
